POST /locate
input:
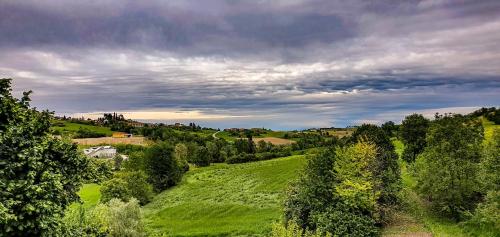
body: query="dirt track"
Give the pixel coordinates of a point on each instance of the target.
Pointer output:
(111, 140)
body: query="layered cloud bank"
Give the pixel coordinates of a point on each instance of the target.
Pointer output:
(279, 64)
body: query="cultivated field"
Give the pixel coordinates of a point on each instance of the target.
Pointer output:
(111, 140)
(274, 140)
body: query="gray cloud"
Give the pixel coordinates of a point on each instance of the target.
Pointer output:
(284, 64)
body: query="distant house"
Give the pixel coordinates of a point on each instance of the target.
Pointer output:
(121, 135)
(100, 152)
(135, 124)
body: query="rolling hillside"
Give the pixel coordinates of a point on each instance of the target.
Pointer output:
(224, 199)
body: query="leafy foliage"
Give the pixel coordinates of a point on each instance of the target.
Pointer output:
(447, 169)
(115, 188)
(413, 131)
(338, 193)
(39, 174)
(386, 168)
(162, 168)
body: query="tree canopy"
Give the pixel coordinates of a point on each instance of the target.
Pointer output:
(39, 173)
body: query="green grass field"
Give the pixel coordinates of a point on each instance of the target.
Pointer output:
(70, 128)
(242, 199)
(89, 196)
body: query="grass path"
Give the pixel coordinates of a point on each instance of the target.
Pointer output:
(222, 199)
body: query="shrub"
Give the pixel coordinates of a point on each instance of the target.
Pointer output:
(124, 218)
(137, 185)
(99, 171)
(115, 188)
(241, 158)
(292, 229)
(87, 133)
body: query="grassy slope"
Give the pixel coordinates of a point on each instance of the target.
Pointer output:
(70, 128)
(89, 195)
(224, 199)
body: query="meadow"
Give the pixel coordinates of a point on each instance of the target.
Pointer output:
(70, 128)
(222, 199)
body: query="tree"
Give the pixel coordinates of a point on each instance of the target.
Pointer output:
(213, 152)
(386, 165)
(115, 188)
(337, 193)
(447, 169)
(181, 155)
(137, 185)
(202, 157)
(161, 166)
(389, 128)
(413, 131)
(39, 174)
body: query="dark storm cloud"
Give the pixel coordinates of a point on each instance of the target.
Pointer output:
(308, 63)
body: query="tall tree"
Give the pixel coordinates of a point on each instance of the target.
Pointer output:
(161, 166)
(413, 131)
(39, 174)
(447, 168)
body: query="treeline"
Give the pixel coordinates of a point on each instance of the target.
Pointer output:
(456, 170)
(353, 186)
(492, 114)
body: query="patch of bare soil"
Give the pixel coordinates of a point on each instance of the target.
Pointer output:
(275, 140)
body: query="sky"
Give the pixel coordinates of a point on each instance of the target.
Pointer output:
(280, 64)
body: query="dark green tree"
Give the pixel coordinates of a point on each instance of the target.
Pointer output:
(39, 174)
(413, 131)
(202, 157)
(161, 166)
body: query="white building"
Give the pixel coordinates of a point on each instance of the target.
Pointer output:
(100, 152)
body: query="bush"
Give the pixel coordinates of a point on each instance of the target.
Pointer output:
(114, 219)
(115, 188)
(487, 214)
(99, 171)
(87, 133)
(292, 229)
(137, 185)
(124, 219)
(241, 158)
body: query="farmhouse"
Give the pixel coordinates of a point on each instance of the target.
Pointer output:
(100, 152)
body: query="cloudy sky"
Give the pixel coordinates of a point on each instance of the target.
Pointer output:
(281, 64)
